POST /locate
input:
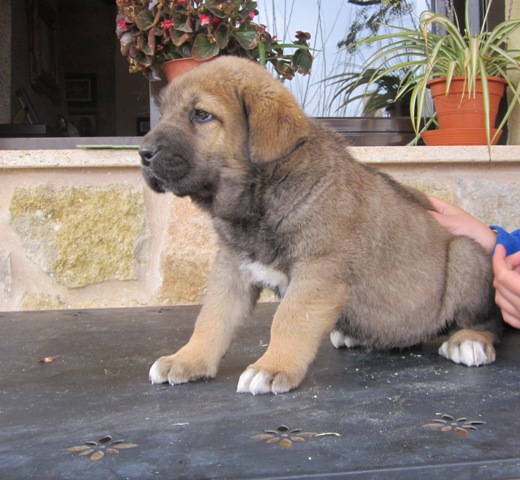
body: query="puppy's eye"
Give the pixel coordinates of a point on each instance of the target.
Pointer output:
(201, 116)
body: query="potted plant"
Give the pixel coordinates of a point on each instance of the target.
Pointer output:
(383, 93)
(448, 53)
(152, 32)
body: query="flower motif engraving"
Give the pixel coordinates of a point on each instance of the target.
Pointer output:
(286, 437)
(98, 449)
(447, 423)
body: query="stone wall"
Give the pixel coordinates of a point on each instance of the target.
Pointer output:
(80, 229)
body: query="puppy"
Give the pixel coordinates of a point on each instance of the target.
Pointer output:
(349, 250)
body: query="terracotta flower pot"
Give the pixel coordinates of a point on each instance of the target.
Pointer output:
(460, 136)
(179, 66)
(461, 116)
(457, 110)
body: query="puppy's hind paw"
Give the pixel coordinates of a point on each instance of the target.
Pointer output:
(470, 348)
(340, 340)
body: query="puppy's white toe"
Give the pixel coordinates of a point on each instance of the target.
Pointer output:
(468, 352)
(336, 338)
(261, 383)
(245, 379)
(340, 340)
(256, 382)
(156, 374)
(471, 354)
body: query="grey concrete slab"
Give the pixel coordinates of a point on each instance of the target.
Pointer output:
(358, 414)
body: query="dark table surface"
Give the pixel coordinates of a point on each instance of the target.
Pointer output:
(91, 413)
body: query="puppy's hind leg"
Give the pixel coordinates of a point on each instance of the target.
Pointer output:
(469, 302)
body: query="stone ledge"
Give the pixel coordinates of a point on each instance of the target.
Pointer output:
(41, 159)
(433, 155)
(128, 158)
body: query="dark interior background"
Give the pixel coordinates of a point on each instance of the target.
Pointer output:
(84, 87)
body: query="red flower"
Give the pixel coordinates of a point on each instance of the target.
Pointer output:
(166, 24)
(122, 24)
(204, 20)
(251, 15)
(303, 35)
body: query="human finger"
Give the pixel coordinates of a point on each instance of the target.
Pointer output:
(513, 260)
(505, 274)
(508, 301)
(511, 320)
(443, 207)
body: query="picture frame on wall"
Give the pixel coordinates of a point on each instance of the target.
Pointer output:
(81, 89)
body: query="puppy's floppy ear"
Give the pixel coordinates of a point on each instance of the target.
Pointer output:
(276, 123)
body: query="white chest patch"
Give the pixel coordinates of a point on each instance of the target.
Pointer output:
(267, 276)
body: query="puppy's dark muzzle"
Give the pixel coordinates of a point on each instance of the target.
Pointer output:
(163, 170)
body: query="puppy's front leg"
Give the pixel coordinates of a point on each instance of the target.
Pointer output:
(229, 300)
(308, 311)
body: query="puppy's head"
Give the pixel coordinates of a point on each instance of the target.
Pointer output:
(226, 117)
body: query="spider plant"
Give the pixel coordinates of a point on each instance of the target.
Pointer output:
(382, 94)
(448, 51)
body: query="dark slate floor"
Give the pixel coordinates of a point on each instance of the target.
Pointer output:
(357, 414)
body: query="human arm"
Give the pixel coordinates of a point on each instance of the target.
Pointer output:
(507, 284)
(459, 222)
(504, 246)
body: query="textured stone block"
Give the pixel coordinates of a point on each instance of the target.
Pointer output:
(187, 258)
(40, 301)
(492, 202)
(81, 235)
(188, 254)
(5, 273)
(431, 188)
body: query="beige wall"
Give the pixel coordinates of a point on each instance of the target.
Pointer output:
(80, 229)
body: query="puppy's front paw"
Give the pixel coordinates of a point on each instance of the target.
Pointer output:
(180, 368)
(469, 347)
(258, 380)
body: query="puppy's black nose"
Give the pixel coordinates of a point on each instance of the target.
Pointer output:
(147, 154)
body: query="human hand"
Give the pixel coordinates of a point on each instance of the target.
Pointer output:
(507, 284)
(459, 222)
